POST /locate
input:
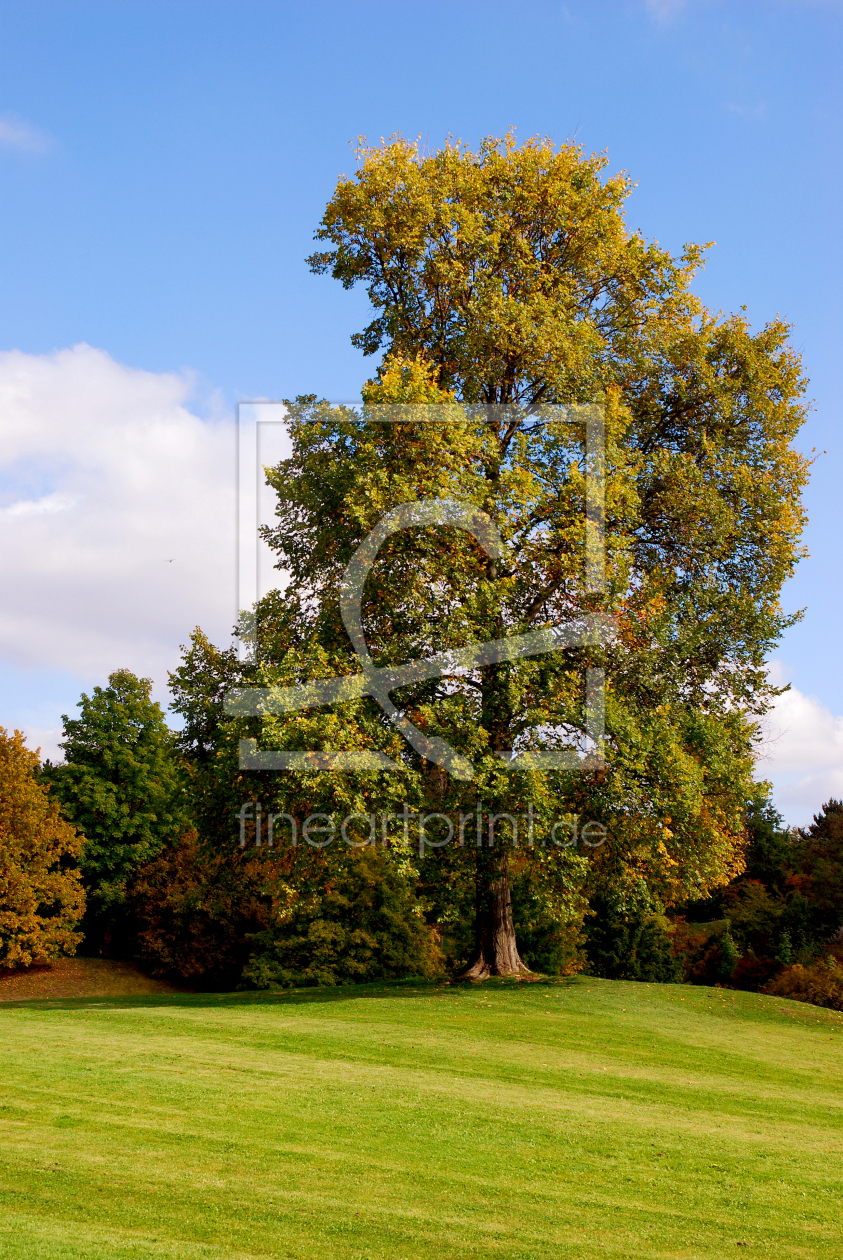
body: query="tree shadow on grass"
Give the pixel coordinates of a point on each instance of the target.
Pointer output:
(285, 997)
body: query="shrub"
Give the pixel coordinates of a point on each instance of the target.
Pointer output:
(820, 983)
(753, 973)
(41, 894)
(193, 911)
(730, 954)
(629, 945)
(272, 918)
(362, 924)
(546, 945)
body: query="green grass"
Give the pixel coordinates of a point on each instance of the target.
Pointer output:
(581, 1118)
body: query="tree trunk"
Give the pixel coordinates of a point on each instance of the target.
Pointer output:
(495, 950)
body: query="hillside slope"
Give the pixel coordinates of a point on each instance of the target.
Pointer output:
(576, 1118)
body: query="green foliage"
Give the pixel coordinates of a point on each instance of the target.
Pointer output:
(780, 912)
(755, 915)
(509, 269)
(629, 944)
(548, 943)
(41, 895)
(819, 875)
(730, 955)
(363, 924)
(507, 277)
(121, 783)
(268, 918)
(199, 687)
(793, 883)
(785, 954)
(510, 275)
(770, 853)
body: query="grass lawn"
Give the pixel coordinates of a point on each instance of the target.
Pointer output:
(576, 1118)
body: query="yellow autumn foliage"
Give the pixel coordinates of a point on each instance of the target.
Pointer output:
(41, 894)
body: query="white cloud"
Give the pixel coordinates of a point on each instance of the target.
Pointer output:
(117, 523)
(45, 741)
(802, 754)
(34, 507)
(16, 133)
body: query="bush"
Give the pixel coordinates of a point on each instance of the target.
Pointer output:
(753, 973)
(41, 894)
(363, 924)
(697, 947)
(730, 955)
(820, 983)
(629, 946)
(548, 942)
(270, 918)
(192, 913)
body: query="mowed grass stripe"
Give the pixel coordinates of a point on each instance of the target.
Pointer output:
(365, 1125)
(721, 1067)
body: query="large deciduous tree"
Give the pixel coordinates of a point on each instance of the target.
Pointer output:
(507, 287)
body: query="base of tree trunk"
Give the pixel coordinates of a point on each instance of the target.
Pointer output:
(481, 968)
(496, 950)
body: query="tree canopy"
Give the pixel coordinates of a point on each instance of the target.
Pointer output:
(509, 293)
(41, 894)
(121, 784)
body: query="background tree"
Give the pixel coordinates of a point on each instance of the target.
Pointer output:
(195, 910)
(785, 908)
(361, 923)
(820, 866)
(199, 687)
(213, 913)
(122, 784)
(41, 894)
(623, 944)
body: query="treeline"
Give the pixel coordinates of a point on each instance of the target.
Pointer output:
(152, 869)
(777, 927)
(131, 848)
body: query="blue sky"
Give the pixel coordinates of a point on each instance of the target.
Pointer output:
(163, 167)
